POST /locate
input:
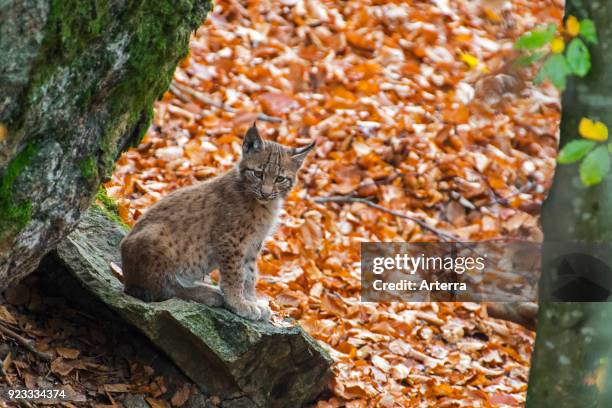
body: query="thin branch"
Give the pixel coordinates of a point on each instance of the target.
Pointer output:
(24, 342)
(382, 181)
(345, 199)
(180, 90)
(505, 201)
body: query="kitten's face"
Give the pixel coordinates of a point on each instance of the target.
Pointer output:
(268, 168)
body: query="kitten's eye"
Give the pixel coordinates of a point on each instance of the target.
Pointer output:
(280, 179)
(257, 173)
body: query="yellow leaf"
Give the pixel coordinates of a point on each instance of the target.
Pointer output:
(470, 60)
(572, 26)
(492, 15)
(557, 45)
(596, 131)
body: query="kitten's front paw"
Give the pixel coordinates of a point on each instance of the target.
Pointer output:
(264, 310)
(246, 309)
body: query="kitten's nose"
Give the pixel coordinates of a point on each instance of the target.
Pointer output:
(266, 191)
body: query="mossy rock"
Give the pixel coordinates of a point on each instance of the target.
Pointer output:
(78, 79)
(247, 364)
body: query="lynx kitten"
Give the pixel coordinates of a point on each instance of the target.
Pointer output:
(220, 223)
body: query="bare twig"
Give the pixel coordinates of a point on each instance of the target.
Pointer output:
(523, 313)
(180, 91)
(346, 199)
(24, 342)
(382, 181)
(506, 200)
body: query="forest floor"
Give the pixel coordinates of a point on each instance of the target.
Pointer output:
(96, 362)
(408, 110)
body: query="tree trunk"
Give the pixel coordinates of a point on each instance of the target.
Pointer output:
(571, 362)
(78, 79)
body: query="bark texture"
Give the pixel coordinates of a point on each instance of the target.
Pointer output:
(78, 79)
(571, 365)
(247, 364)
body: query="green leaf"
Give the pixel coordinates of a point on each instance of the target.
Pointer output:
(595, 166)
(578, 57)
(536, 38)
(588, 31)
(540, 77)
(610, 147)
(575, 150)
(527, 60)
(555, 69)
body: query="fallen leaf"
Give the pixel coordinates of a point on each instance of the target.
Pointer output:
(6, 316)
(117, 388)
(501, 398)
(156, 403)
(277, 104)
(65, 367)
(6, 363)
(470, 60)
(68, 353)
(181, 396)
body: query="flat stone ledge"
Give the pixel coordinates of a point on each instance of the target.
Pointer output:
(247, 364)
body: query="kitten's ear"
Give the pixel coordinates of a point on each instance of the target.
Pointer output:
(299, 154)
(252, 141)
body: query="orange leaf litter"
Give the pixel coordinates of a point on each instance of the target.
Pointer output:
(399, 118)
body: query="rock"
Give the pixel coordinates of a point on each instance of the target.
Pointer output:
(199, 401)
(77, 84)
(135, 401)
(246, 364)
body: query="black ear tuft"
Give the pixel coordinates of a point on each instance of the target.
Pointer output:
(252, 141)
(299, 153)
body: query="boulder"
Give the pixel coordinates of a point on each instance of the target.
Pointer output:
(78, 79)
(246, 364)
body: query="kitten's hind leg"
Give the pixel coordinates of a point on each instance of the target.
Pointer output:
(200, 292)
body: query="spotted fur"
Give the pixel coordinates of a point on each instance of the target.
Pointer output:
(220, 223)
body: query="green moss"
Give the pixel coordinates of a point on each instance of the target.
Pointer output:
(150, 36)
(73, 25)
(14, 216)
(106, 201)
(132, 48)
(143, 125)
(91, 72)
(108, 207)
(161, 39)
(147, 39)
(89, 168)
